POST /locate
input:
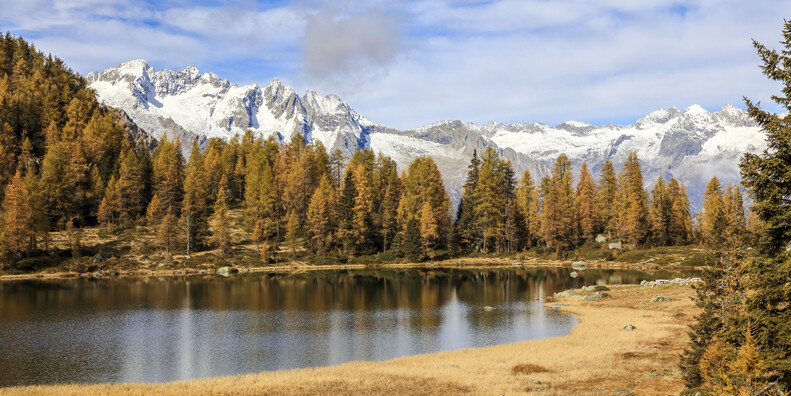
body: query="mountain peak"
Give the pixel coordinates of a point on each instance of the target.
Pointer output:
(133, 67)
(696, 110)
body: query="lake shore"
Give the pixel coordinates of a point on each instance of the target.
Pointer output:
(297, 267)
(598, 357)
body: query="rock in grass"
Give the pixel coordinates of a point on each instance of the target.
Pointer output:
(567, 293)
(660, 298)
(629, 327)
(653, 374)
(595, 288)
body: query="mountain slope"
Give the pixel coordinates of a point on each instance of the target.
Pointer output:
(692, 144)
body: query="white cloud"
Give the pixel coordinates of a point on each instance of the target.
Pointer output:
(407, 64)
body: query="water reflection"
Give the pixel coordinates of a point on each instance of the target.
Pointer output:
(165, 329)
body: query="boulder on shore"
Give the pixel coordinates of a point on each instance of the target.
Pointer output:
(595, 288)
(660, 298)
(577, 265)
(225, 271)
(596, 297)
(567, 293)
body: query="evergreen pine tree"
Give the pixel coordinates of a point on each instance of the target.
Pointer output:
(680, 219)
(321, 217)
(765, 176)
(362, 221)
(195, 210)
(607, 200)
(557, 222)
(110, 208)
(154, 211)
(131, 187)
(634, 208)
(168, 234)
(585, 204)
(292, 232)
(490, 202)
(169, 176)
(18, 220)
(660, 214)
(466, 221)
(733, 210)
(429, 229)
(527, 199)
(221, 223)
(712, 217)
(337, 164)
(346, 212)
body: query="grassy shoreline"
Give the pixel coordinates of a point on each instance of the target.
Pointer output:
(598, 357)
(297, 267)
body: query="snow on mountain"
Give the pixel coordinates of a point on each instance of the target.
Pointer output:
(692, 144)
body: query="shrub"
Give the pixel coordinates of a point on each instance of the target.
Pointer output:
(528, 368)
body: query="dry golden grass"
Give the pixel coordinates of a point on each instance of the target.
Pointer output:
(528, 368)
(597, 355)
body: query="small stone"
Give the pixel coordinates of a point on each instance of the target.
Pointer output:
(653, 374)
(660, 298)
(601, 388)
(629, 327)
(619, 392)
(535, 381)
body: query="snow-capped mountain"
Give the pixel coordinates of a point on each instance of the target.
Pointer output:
(692, 144)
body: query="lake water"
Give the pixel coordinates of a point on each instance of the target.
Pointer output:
(177, 328)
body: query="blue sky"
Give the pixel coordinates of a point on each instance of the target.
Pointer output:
(409, 63)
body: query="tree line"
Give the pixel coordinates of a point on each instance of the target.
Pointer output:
(68, 163)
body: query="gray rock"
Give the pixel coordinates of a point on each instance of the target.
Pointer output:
(615, 245)
(601, 238)
(596, 297)
(629, 327)
(595, 288)
(226, 271)
(578, 265)
(567, 293)
(660, 298)
(98, 258)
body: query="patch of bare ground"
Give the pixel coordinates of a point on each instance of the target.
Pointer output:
(598, 357)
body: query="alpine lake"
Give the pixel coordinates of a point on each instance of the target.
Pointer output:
(161, 329)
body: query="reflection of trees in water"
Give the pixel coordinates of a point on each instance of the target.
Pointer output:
(415, 289)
